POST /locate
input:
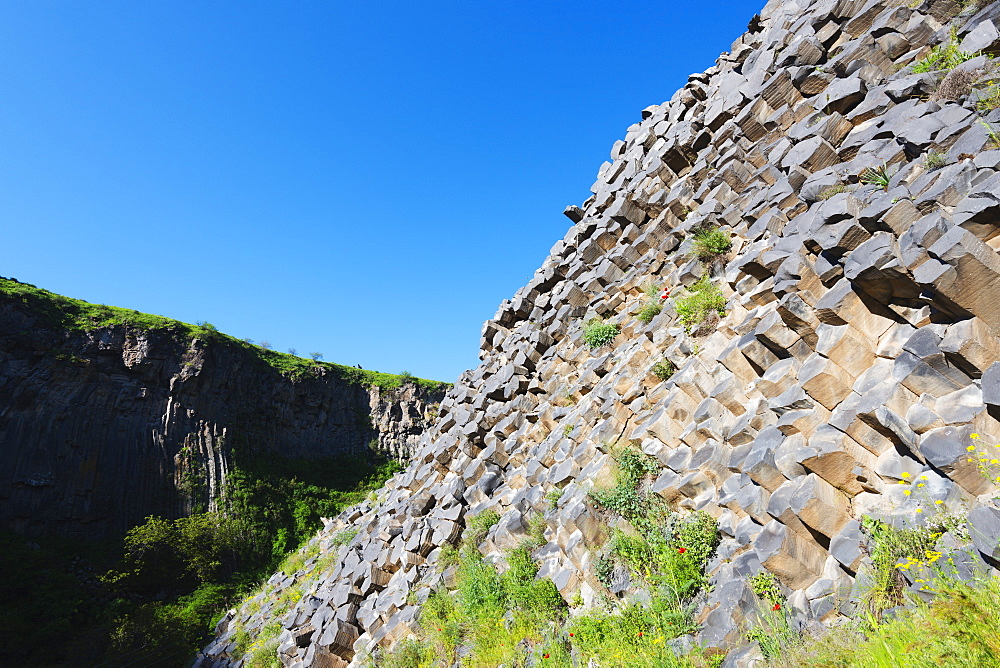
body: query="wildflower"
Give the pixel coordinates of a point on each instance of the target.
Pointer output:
(920, 510)
(923, 477)
(920, 484)
(904, 475)
(903, 482)
(640, 634)
(995, 461)
(971, 448)
(571, 635)
(545, 656)
(681, 550)
(908, 492)
(938, 502)
(777, 606)
(973, 435)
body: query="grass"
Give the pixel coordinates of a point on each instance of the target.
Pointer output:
(711, 243)
(59, 312)
(878, 177)
(959, 628)
(833, 190)
(513, 618)
(934, 160)
(704, 299)
(649, 310)
(945, 56)
(597, 333)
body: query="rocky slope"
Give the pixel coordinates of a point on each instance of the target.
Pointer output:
(101, 427)
(858, 347)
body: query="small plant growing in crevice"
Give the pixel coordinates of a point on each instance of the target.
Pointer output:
(711, 243)
(663, 369)
(934, 160)
(877, 177)
(598, 333)
(698, 309)
(832, 191)
(945, 56)
(771, 629)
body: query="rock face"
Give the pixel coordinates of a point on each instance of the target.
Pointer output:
(101, 429)
(861, 316)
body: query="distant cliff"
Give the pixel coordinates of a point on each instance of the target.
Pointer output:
(108, 415)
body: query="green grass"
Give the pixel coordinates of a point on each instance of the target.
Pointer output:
(59, 312)
(878, 177)
(704, 298)
(945, 56)
(959, 628)
(833, 191)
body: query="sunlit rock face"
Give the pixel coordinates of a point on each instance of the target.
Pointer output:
(856, 350)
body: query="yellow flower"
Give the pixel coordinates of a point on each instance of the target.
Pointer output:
(923, 477)
(920, 484)
(973, 435)
(971, 448)
(995, 461)
(920, 510)
(908, 492)
(938, 502)
(903, 482)
(905, 475)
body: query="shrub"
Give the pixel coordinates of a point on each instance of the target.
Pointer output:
(710, 243)
(663, 369)
(704, 300)
(598, 333)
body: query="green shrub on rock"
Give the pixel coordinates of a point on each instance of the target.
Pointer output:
(598, 333)
(704, 301)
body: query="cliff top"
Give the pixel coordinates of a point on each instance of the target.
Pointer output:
(61, 312)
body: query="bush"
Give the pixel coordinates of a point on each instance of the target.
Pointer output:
(598, 333)
(663, 369)
(832, 191)
(704, 300)
(710, 243)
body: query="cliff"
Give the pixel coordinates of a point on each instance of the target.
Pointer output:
(835, 345)
(108, 416)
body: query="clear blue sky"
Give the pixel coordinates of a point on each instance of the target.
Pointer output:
(364, 179)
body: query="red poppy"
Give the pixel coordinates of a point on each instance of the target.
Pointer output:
(681, 550)
(777, 606)
(570, 635)
(545, 656)
(640, 634)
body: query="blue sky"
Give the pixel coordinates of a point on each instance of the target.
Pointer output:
(364, 179)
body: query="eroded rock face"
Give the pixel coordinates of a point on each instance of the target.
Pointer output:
(99, 429)
(860, 329)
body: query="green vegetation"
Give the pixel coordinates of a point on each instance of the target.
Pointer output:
(771, 629)
(711, 243)
(663, 369)
(833, 190)
(511, 617)
(162, 592)
(934, 160)
(704, 300)
(944, 56)
(61, 312)
(649, 310)
(878, 177)
(597, 333)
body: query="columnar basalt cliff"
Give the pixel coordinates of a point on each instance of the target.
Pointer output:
(857, 348)
(102, 428)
